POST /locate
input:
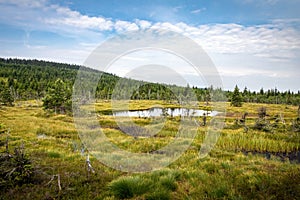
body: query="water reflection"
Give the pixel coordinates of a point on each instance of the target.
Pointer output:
(156, 112)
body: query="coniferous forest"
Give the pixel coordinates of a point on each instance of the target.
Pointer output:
(30, 79)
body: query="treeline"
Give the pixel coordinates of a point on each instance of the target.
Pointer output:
(31, 79)
(270, 96)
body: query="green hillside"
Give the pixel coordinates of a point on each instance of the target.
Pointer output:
(30, 79)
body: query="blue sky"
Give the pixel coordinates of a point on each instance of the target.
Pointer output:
(253, 43)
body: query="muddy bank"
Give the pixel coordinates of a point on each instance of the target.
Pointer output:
(293, 156)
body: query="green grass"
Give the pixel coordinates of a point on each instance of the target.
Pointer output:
(128, 187)
(54, 147)
(157, 185)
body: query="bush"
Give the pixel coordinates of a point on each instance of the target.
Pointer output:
(15, 169)
(262, 112)
(262, 125)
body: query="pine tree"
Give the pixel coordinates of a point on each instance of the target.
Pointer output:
(58, 98)
(5, 95)
(246, 95)
(236, 99)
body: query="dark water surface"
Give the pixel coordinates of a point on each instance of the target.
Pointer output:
(156, 112)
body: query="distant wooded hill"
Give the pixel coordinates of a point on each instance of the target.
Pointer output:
(30, 79)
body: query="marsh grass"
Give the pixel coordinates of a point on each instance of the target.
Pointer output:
(52, 143)
(157, 185)
(127, 187)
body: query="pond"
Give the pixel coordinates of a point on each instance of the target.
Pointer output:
(156, 112)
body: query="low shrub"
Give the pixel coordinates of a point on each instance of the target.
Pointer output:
(15, 169)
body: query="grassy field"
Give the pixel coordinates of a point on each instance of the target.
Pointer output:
(244, 164)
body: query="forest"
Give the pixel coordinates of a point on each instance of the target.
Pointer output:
(30, 79)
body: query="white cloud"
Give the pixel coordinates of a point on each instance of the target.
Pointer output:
(143, 24)
(232, 38)
(66, 16)
(168, 26)
(121, 26)
(197, 11)
(275, 40)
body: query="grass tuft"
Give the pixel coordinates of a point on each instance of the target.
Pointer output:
(128, 187)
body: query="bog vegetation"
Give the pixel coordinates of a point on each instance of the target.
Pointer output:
(42, 157)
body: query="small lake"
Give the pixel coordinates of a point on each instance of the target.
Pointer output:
(156, 112)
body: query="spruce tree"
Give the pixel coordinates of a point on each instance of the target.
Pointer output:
(58, 98)
(5, 95)
(236, 99)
